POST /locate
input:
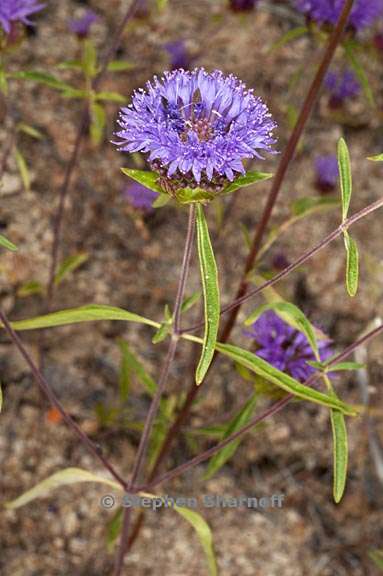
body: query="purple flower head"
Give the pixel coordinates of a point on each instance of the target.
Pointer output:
(179, 56)
(17, 10)
(197, 127)
(363, 14)
(139, 196)
(82, 26)
(285, 347)
(327, 172)
(242, 5)
(341, 87)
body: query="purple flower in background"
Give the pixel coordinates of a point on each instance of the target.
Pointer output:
(363, 14)
(179, 56)
(17, 10)
(285, 347)
(341, 86)
(327, 172)
(197, 127)
(242, 5)
(139, 196)
(82, 26)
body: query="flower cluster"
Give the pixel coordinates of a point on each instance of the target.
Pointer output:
(17, 11)
(285, 347)
(341, 86)
(363, 14)
(197, 127)
(327, 172)
(81, 26)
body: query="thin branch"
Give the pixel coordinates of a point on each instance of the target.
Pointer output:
(49, 393)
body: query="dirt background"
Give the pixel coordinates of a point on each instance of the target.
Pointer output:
(133, 262)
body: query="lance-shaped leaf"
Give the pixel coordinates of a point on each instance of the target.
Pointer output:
(239, 420)
(377, 158)
(132, 365)
(41, 78)
(247, 180)
(340, 453)
(204, 535)
(345, 176)
(90, 313)
(359, 72)
(144, 177)
(293, 316)
(209, 277)
(69, 265)
(23, 169)
(62, 478)
(284, 381)
(5, 243)
(352, 266)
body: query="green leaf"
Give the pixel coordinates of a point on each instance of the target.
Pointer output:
(144, 177)
(247, 180)
(352, 266)
(131, 365)
(341, 367)
(377, 557)
(360, 73)
(121, 65)
(238, 422)
(75, 93)
(3, 81)
(30, 130)
(69, 265)
(189, 302)
(345, 176)
(162, 333)
(311, 205)
(204, 534)
(90, 313)
(209, 277)
(290, 35)
(284, 381)
(98, 122)
(188, 195)
(291, 314)
(111, 97)
(5, 243)
(23, 169)
(62, 478)
(378, 158)
(70, 65)
(113, 530)
(161, 200)
(29, 288)
(340, 452)
(41, 78)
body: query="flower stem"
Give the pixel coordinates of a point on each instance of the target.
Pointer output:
(153, 410)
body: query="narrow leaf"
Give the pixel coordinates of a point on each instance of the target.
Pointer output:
(204, 534)
(69, 265)
(284, 381)
(144, 177)
(239, 420)
(340, 452)
(345, 176)
(41, 78)
(5, 243)
(121, 66)
(98, 122)
(111, 97)
(378, 158)
(132, 365)
(30, 130)
(62, 478)
(247, 180)
(23, 169)
(352, 266)
(290, 35)
(90, 313)
(360, 73)
(209, 277)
